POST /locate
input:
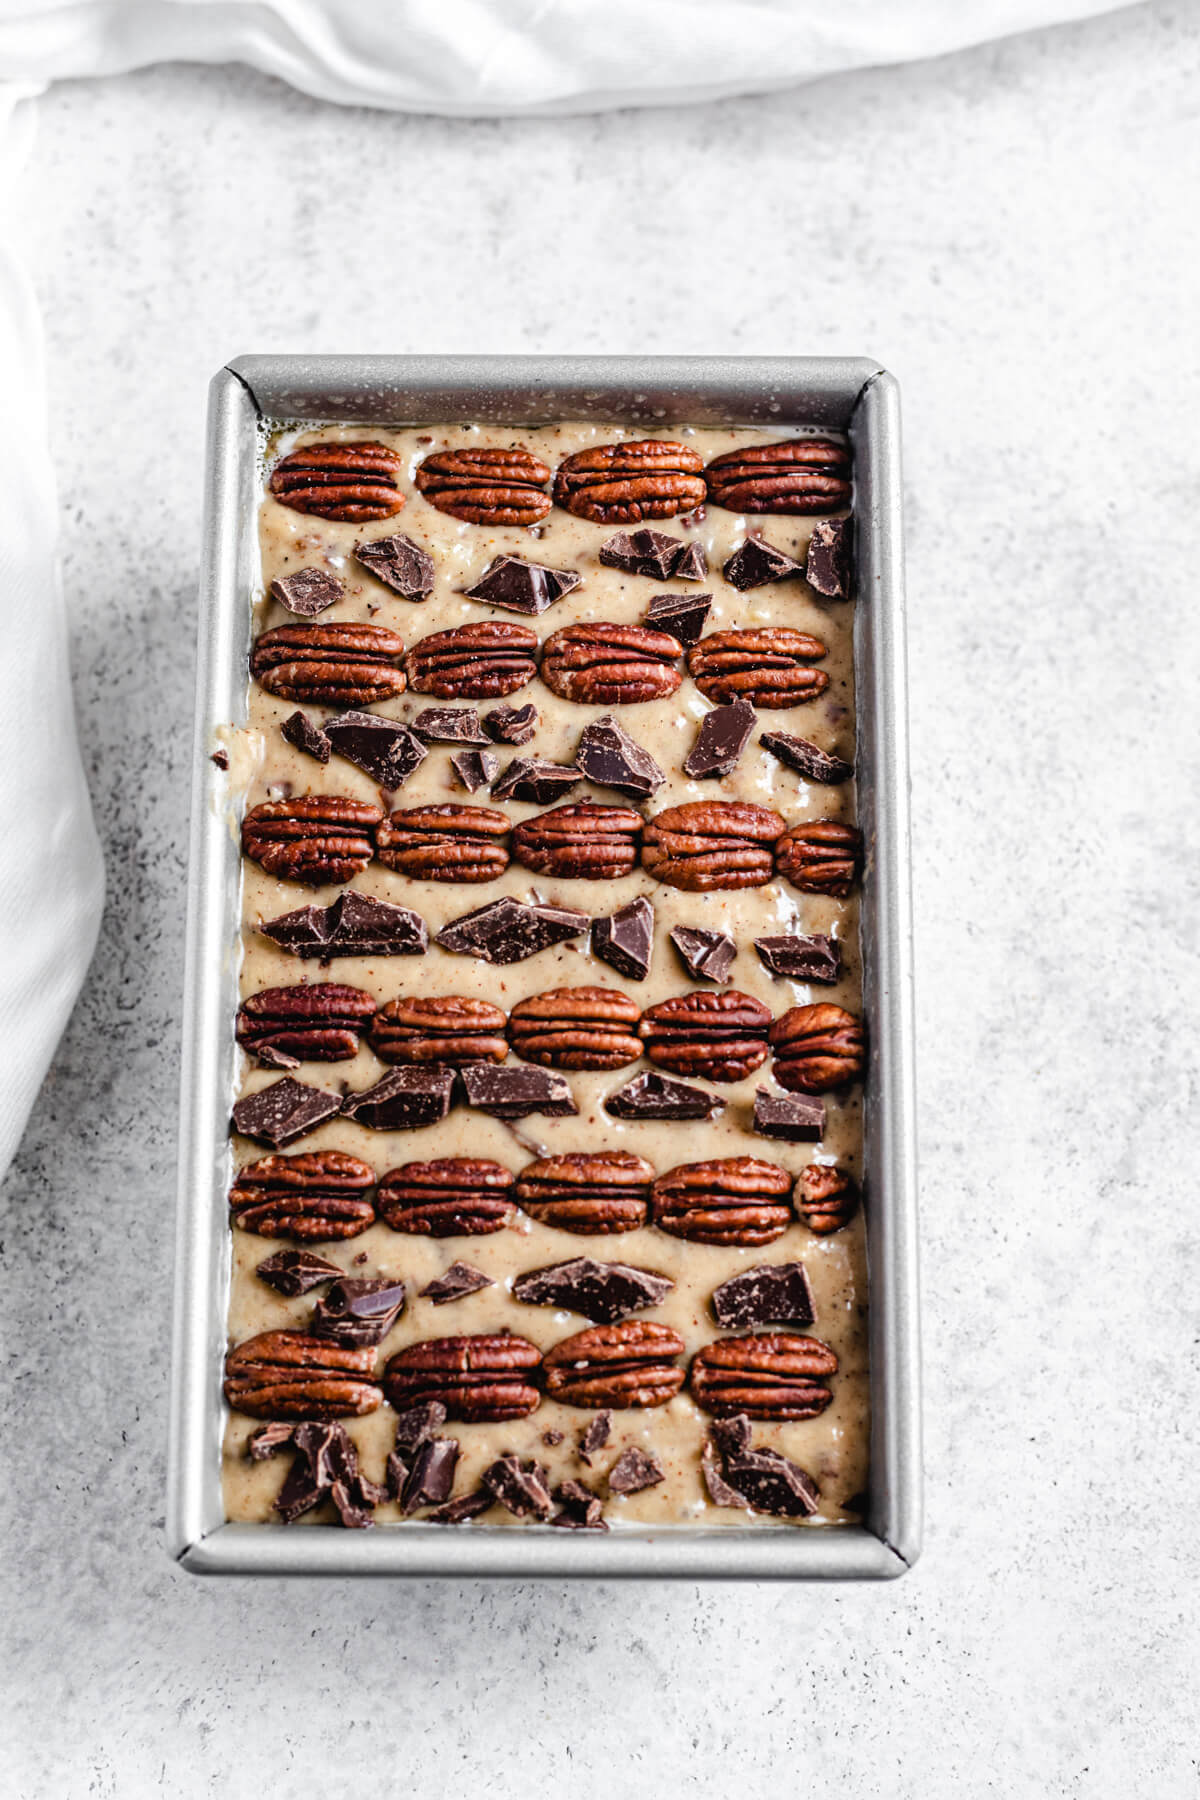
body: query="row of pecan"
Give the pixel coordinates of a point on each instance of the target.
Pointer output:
(610, 484)
(326, 839)
(322, 1196)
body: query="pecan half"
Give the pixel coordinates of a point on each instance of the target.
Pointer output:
(765, 667)
(710, 844)
(444, 843)
(291, 1375)
(817, 1048)
(583, 842)
(820, 858)
(798, 475)
(487, 487)
(443, 1028)
(767, 1375)
(732, 1200)
(339, 481)
(308, 1022)
(456, 1196)
(481, 1378)
(624, 484)
(319, 839)
(315, 1198)
(720, 1037)
(600, 664)
(825, 1198)
(341, 665)
(473, 662)
(590, 1195)
(576, 1028)
(620, 1366)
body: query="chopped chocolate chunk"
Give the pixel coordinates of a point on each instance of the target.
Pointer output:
(400, 564)
(829, 552)
(326, 1464)
(532, 778)
(706, 955)
(405, 1099)
(449, 725)
(514, 1093)
(600, 1291)
(552, 1437)
(646, 552)
(299, 730)
(801, 958)
(457, 1512)
(431, 1478)
(475, 768)
(634, 1470)
(683, 616)
(296, 1272)
(799, 754)
(598, 1432)
(354, 925)
(511, 724)
(651, 1096)
(307, 592)
(719, 1490)
(520, 1486)
(522, 587)
(692, 565)
(269, 1439)
(279, 1114)
(768, 1294)
(770, 1483)
(609, 757)
(796, 1118)
(756, 562)
(580, 1509)
(459, 1280)
(730, 1437)
(387, 750)
(221, 758)
(625, 940)
(418, 1423)
(507, 931)
(358, 1310)
(723, 735)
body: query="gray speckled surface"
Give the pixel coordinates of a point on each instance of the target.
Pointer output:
(1012, 232)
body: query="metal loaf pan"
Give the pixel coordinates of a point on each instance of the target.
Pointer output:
(851, 394)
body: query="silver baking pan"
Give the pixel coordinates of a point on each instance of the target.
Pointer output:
(851, 394)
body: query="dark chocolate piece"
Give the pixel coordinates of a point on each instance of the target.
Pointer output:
(520, 1486)
(692, 565)
(459, 1280)
(552, 1437)
(730, 1436)
(359, 1310)
(595, 1437)
(634, 1470)
(449, 725)
(457, 1512)
(416, 1424)
(770, 1483)
(475, 768)
(625, 940)
(651, 1096)
(796, 1118)
(600, 1291)
(579, 1508)
(507, 931)
(405, 1099)
(799, 754)
(221, 758)
(719, 1490)
(682, 615)
(828, 567)
(354, 925)
(531, 778)
(387, 750)
(400, 564)
(767, 1294)
(706, 955)
(511, 724)
(326, 1464)
(296, 1272)
(801, 958)
(756, 562)
(522, 587)
(609, 757)
(644, 552)
(723, 735)
(431, 1478)
(307, 592)
(279, 1114)
(299, 730)
(514, 1093)
(269, 1439)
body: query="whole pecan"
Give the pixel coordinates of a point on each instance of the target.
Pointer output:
(765, 667)
(315, 1198)
(600, 664)
(308, 1022)
(291, 1375)
(444, 843)
(797, 475)
(488, 487)
(473, 662)
(319, 839)
(440, 1028)
(584, 842)
(623, 1365)
(339, 481)
(732, 1200)
(767, 1375)
(825, 1197)
(709, 844)
(590, 1194)
(625, 484)
(720, 1037)
(341, 665)
(576, 1028)
(822, 857)
(479, 1379)
(456, 1196)
(817, 1048)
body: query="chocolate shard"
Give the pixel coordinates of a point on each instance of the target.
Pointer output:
(520, 1486)
(609, 757)
(553, 1437)
(756, 562)
(299, 730)
(651, 1096)
(511, 724)
(514, 1093)
(269, 1439)
(400, 564)
(457, 1512)
(296, 1272)
(522, 587)
(418, 1423)
(719, 1490)
(644, 552)
(459, 1280)
(634, 1470)
(579, 1508)
(354, 925)
(475, 768)
(430, 1481)
(723, 735)
(449, 725)
(828, 566)
(279, 1114)
(353, 1513)
(406, 1099)
(604, 1292)
(625, 940)
(798, 753)
(387, 750)
(801, 958)
(592, 1440)
(326, 1464)
(796, 1118)
(706, 955)
(358, 1310)
(692, 565)
(532, 778)
(768, 1294)
(307, 592)
(507, 930)
(730, 1437)
(684, 616)
(770, 1483)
